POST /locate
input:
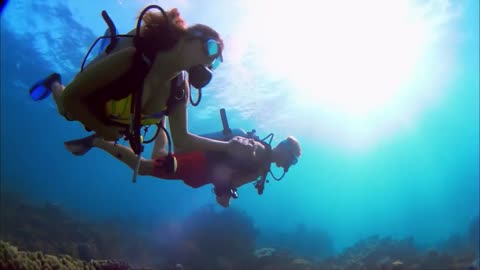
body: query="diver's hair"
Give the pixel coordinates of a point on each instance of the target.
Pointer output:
(207, 31)
(161, 33)
(297, 150)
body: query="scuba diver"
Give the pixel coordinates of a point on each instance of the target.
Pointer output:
(199, 168)
(139, 79)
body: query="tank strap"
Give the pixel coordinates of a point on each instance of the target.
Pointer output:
(178, 91)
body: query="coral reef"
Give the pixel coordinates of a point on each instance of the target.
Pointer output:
(208, 239)
(319, 245)
(474, 234)
(50, 229)
(389, 254)
(13, 259)
(373, 253)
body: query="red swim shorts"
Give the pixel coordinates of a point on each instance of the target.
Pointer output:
(191, 168)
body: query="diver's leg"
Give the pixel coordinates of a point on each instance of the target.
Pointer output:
(125, 155)
(157, 167)
(50, 84)
(57, 92)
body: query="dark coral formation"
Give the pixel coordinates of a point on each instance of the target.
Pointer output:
(51, 239)
(386, 253)
(208, 239)
(373, 251)
(51, 230)
(211, 239)
(13, 259)
(474, 234)
(318, 246)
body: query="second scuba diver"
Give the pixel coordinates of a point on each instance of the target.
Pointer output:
(199, 168)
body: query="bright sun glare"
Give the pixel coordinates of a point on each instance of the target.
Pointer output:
(350, 59)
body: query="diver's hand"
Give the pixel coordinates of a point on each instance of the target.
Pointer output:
(241, 148)
(223, 200)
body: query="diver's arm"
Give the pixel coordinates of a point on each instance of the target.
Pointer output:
(236, 180)
(187, 141)
(160, 142)
(222, 185)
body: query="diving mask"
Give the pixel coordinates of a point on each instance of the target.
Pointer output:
(213, 50)
(201, 75)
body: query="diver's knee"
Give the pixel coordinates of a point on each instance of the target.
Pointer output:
(66, 106)
(65, 101)
(61, 109)
(146, 168)
(142, 170)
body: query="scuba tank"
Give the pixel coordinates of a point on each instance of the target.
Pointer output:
(221, 136)
(227, 133)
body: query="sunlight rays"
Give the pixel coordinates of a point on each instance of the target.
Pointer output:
(361, 64)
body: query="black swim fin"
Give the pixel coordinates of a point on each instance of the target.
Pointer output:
(43, 88)
(80, 147)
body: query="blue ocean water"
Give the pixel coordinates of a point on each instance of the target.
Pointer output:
(422, 181)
